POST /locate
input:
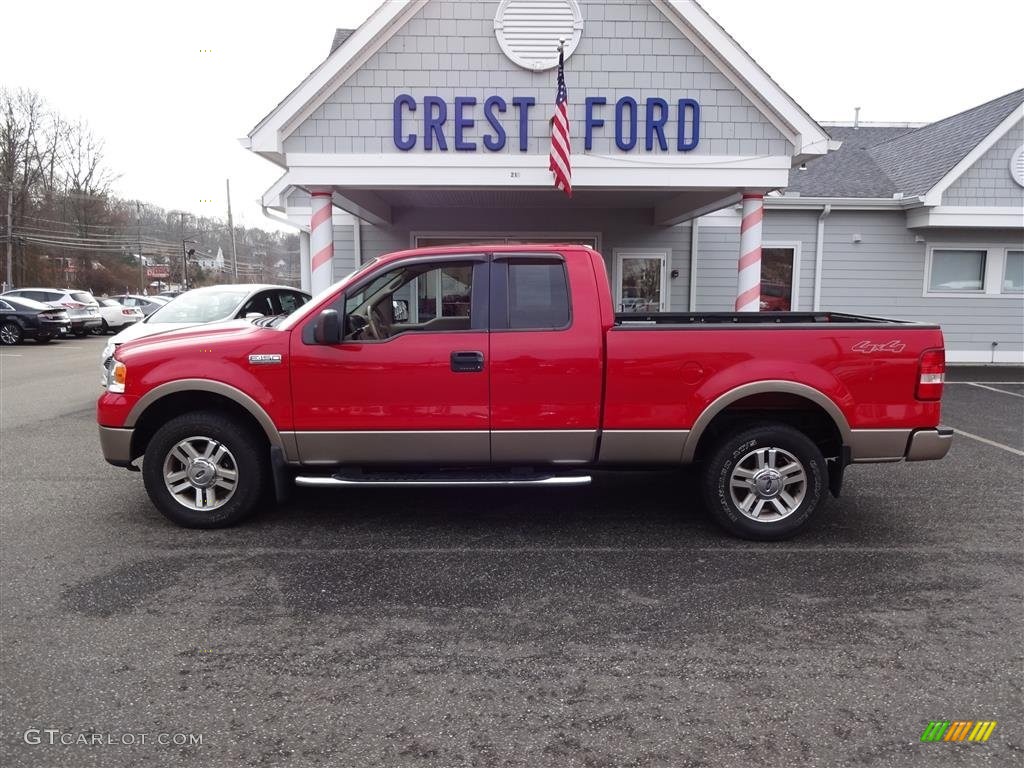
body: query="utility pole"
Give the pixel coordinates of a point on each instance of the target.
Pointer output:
(138, 234)
(184, 255)
(10, 236)
(231, 228)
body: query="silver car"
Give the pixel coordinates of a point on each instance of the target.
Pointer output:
(213, 304)
(81, 306)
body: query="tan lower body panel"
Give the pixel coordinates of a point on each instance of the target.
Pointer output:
(394, 447)
(878, 444)
(642, 446)
(543, 446)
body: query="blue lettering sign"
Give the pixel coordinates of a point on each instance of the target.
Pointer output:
(620, 106)
(523, 104)
(494, 143)
(432, 123)
(404, 143)
(684, 144)
(464, 117)
(462, 123)
(592, 122)
(656, 125)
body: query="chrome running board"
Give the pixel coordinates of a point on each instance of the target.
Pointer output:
(438, 480)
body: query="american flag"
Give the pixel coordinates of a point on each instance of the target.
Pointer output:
(560, 149)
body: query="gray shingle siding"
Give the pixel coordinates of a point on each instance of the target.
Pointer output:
(654, 59)
(882, 275)
(917, 160)
(989, 181)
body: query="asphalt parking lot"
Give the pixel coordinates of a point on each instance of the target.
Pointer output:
(607, 626)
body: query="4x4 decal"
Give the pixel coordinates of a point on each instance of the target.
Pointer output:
(867, 347)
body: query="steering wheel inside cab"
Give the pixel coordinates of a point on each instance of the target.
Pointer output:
(376, 325)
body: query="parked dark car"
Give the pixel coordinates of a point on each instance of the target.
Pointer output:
(27, 319)
(148, 304)
(81, 306)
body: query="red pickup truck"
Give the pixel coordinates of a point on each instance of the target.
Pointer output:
(507, 365)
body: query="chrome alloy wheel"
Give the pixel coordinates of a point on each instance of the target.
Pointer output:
(768, 484)
(200, 473)
(9, 333)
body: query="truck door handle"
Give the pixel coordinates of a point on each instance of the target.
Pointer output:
(467, 362)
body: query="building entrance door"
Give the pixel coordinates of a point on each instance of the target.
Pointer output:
(640, 281)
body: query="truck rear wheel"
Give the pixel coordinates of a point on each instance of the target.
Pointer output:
(765, 482)
(203, 470)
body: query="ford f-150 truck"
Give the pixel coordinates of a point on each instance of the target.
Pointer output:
(507, 365)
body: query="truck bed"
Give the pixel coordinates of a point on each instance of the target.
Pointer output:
(626, 320)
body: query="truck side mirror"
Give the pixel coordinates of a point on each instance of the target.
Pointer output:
(328, 328)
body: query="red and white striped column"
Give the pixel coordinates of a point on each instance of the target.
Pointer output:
(321, 243)
(748, 284)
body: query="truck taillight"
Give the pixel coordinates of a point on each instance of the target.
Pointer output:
(931, 374)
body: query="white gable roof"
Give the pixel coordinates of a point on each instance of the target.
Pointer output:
(736, 65)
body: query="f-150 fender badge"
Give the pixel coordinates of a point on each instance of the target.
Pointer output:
(264, 359)
(868, 347)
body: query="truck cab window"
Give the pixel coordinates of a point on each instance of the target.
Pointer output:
(538, 295)
(419, 298)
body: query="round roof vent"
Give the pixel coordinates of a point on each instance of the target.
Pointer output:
(528, 31)
(1017, 165)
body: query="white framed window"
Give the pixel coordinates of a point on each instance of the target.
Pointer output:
(1013, 272)
(780, 276)
(956, 270)
(963, 270)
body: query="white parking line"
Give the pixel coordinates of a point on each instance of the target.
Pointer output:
(985, 440)
(993, 389)
(1013, 383)
(8, 354)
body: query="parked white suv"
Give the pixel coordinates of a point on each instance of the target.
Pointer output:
(82, 308)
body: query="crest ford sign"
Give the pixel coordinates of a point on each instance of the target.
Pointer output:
(671, 126)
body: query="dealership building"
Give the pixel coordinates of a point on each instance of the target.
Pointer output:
(691, 168)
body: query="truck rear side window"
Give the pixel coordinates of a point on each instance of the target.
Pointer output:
(538, 295)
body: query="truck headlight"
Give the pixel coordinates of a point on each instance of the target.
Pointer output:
(118, 376)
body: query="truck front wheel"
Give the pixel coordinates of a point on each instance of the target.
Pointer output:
(764, 483)
(203, 470)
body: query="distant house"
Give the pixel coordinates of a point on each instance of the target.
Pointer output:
(211, 263)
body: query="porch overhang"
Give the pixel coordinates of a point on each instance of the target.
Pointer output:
(674, 188)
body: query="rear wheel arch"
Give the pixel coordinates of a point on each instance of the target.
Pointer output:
(786, 402)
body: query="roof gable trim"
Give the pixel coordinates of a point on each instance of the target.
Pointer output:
(345, 60)
(809, 138)
(933, 196)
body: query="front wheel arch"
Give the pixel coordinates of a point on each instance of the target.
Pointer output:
(175, 404)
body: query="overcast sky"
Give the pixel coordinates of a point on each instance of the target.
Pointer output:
(171, 113)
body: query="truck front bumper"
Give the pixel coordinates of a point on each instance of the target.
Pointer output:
(929, 444)
(116, 445)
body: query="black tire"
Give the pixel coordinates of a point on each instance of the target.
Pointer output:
(245, 447)
(102, 330)
(44, 339)
(737, 453)
(81, 333)
(10, 333)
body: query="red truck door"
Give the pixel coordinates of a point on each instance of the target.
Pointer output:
(546, 358)
(411, 387)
